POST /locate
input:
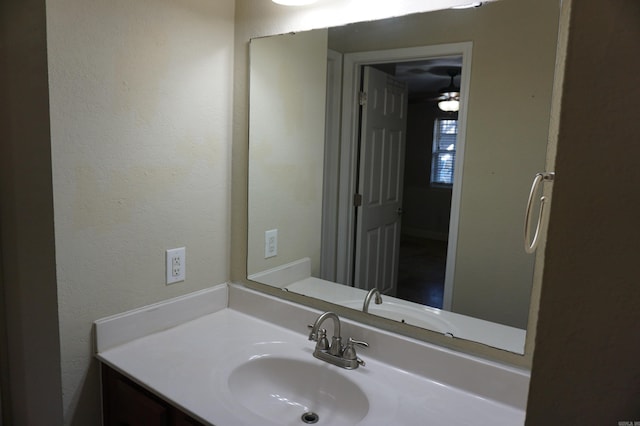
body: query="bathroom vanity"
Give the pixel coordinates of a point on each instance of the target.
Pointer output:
(231, 356)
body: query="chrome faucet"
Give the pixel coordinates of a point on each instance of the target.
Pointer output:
(367, 299)
(334, 353)
(316, 333)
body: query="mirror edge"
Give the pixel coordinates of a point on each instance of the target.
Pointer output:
(554, 126)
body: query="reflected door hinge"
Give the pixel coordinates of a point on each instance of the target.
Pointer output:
(357, 200)
(362, 98)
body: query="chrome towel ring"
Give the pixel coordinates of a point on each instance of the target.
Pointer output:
(531, 244)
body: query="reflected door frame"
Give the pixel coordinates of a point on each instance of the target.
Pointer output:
(351, 82)
(331, 172)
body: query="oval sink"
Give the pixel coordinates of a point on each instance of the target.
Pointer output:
(283, 390)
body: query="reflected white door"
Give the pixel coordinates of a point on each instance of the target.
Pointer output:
(382, 149)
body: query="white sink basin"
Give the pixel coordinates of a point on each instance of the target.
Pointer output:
(290, 391)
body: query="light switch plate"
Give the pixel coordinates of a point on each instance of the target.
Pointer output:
(176, 265)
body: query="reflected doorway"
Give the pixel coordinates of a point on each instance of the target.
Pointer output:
(422, 270)
(427, 181)
(417, 65)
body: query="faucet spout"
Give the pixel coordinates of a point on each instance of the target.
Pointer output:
(334, 353)
(320, 319)
(367, 299)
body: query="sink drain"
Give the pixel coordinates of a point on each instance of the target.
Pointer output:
(310, 418)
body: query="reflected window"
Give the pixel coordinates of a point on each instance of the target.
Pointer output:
(443, 157)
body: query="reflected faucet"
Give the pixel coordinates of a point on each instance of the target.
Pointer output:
(367, 299)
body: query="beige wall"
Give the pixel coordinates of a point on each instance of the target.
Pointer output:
(140, 138)
(287, 107)
(585, 365)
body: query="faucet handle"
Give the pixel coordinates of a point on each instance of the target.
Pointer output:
(353, 341)
(323, 343)
(312, 335)
(350, 350)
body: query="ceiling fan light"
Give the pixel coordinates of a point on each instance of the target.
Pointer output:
(450, 105)
(294, 2)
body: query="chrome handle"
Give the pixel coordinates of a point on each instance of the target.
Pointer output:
(358, 342)
(323, 343)
(320, 337)
(400, 210)
(350, 351)
(312, 336)
(531, 244)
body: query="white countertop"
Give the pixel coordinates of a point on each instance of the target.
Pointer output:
(187, 364)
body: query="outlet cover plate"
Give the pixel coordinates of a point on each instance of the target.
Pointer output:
(176, 265)
(270, 243)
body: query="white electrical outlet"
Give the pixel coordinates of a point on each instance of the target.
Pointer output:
(176, 265)
(270, 243)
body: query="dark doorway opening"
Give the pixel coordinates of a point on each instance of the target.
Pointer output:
(422, 270)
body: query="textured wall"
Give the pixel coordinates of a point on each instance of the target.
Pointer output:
(585, 365)
(140, 133)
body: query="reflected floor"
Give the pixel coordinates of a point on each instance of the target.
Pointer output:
(421, 270)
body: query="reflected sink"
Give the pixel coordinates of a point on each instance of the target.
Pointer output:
(283, 390)
(424, 317)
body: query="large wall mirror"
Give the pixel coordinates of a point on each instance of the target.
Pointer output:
(398, 155)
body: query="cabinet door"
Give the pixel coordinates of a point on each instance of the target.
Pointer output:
(128, 404)
(182, 419)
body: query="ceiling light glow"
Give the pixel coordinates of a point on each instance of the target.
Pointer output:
(449, 105)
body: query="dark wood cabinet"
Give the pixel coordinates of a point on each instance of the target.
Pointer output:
(125, 403)
(181, 419)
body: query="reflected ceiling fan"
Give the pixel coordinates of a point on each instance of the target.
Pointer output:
(449, 98)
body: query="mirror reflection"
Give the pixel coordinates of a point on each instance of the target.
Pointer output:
(397, 155)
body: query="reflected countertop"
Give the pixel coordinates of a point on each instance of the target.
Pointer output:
(461, 326)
